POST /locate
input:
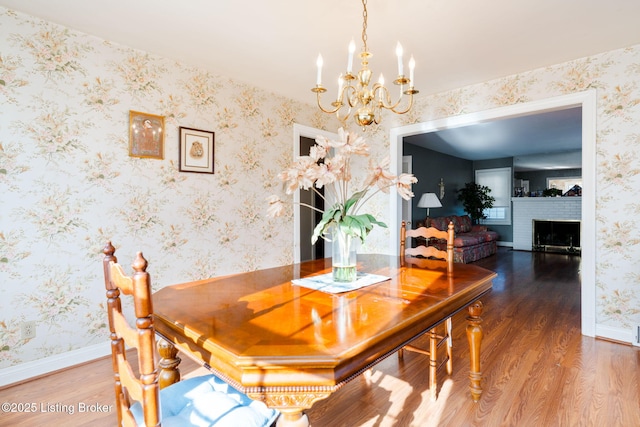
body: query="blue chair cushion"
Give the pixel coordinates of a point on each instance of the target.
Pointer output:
(208, 401)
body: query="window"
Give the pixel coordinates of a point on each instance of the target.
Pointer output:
(564, 183)
(499, 181)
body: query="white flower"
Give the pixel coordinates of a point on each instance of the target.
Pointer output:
(333, 173)
(403, 186)
(351, 143)
(317, 152)
(380, 176)
(276, 206)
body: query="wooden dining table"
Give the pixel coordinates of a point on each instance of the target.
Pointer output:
(290, 346)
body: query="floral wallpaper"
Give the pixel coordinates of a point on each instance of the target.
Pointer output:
(67, 183)
(615, 76)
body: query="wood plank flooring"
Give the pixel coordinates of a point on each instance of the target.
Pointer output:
(538, 369)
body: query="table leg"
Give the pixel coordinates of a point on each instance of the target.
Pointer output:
(474, 336)
(291, 404)
(169, 361)
(293, 419)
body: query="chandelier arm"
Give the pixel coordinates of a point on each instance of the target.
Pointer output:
(353, 97)
(407, 109)
(385, 100)
(384, 97)
(342, 105)
(337, 105)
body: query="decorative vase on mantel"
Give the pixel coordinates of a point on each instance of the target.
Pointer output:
(343, 260)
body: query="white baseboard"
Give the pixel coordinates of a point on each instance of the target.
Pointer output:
(615, 334)
(27, 370)
(507, 244)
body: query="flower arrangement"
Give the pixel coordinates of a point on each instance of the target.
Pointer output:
(319, 169)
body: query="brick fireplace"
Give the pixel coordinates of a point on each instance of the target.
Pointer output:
(528, 209)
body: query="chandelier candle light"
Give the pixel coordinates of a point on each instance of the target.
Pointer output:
(341, 224)
(354, 91)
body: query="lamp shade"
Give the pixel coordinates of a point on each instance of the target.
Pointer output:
(429, 200)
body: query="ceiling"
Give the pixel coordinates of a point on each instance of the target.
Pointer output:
(273, 44)
(549, 140)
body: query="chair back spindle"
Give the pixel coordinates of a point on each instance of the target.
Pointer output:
(427, 250)
(130, 387)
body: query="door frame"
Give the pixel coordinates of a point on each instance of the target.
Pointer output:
(308, 132)
(407, 204)
(587, 100)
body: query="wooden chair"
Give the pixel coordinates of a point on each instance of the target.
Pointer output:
(199, 401)
(436, 339)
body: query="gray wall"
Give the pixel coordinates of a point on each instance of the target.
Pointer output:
(429, 166)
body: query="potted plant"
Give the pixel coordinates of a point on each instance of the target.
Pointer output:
(475, 198)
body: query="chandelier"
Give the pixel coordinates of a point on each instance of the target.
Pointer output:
(354, 94)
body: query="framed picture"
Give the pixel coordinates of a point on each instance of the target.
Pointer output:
(196, 150)
(146, 135)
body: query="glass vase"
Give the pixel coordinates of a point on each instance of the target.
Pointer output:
(344, 248)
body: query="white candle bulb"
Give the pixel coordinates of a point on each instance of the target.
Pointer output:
(319, 64)
(381, 89)
(340, 84)
(412, 66)
(352, 48)
(399, 53)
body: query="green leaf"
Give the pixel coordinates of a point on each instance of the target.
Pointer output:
(327, 219)
(376, 222)
(352, 225)
(353, 200)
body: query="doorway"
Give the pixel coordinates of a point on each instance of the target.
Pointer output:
(309, 217)
(585, 100)
(300, 133)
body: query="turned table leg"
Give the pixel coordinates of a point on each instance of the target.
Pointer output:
(293, 419)
(474, 335)
(169, 361)
(291, 404)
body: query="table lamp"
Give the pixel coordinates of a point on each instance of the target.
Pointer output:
(429, 200)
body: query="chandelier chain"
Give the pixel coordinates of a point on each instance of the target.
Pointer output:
(364, 26)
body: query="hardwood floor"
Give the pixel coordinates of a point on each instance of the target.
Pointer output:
(538, 369)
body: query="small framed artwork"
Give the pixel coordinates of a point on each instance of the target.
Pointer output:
(146, 135)
(196, 150)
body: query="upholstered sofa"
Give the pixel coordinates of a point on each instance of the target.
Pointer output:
(472, 242)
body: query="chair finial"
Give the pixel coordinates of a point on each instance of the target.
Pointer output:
(140, 263)
(108, 249)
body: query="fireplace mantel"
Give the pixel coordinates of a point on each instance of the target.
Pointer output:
(526, 209)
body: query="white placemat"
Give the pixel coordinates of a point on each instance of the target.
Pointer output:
(325, 282)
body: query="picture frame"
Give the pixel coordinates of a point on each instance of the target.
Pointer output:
(196, 150)
(146, 135)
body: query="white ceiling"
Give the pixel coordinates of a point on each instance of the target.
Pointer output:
(550, 140)
(273, 44)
